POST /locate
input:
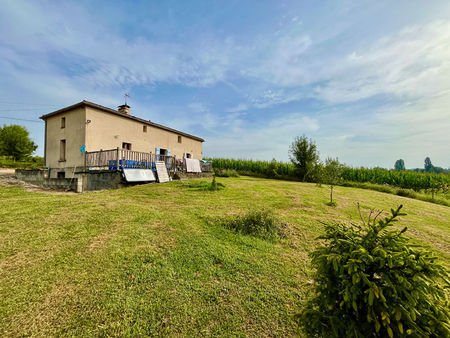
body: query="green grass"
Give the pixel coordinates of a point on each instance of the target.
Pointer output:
(147, 260)
(32, 162)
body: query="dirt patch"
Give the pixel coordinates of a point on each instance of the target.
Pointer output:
(7, 172)
(101, 240)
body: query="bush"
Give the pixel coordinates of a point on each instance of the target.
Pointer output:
(258, 223)
(225, 173)
(203, 185)
(371, 283)
(406, 193)
(29, 162)
(214, 185)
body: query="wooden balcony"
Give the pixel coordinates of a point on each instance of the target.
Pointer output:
(118, 159)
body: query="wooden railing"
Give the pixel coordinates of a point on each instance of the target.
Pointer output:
(114, 159)
(206, 167)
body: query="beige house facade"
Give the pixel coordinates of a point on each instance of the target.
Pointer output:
(87, 126)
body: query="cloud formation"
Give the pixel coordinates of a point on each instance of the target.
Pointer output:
(366, 92)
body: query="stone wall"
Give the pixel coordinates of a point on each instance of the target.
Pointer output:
(40, 177)
(88, 180)
(102, 179)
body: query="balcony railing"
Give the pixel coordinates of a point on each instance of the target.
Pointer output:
(115, 159)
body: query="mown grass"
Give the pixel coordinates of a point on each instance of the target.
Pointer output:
(146, 260)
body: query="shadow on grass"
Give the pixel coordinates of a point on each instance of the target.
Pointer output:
(203, 186)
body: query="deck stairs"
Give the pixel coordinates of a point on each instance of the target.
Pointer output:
(161, 171)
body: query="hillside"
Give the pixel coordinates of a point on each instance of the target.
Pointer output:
(150, 260)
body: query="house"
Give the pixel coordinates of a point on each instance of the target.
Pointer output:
(72, 131)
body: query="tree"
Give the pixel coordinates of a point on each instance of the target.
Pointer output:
(370, 282)
(303, 154)
(15, 142)
(399, 165)
(428, 165)
(332, 174)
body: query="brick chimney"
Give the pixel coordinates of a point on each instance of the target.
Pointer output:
(124, 109)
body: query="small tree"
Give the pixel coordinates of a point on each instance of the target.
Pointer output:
(399, 165)
(332, 174)
(428, 166)
(435, 185)
(371, 283)
(303, 154)
(317, 174)
(271, 170)
(15, 142)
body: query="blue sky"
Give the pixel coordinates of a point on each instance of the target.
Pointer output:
(369, 81)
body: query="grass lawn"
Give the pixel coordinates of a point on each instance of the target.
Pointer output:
(32, 162)
(147, 260)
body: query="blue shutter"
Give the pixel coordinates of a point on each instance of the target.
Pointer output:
(168, 152)
(157, 151)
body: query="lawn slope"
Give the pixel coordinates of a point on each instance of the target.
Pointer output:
(148, 260)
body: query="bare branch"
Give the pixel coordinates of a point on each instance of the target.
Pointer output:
(379, 213)
(360, 215)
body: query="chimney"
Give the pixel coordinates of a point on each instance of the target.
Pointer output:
(124, 109)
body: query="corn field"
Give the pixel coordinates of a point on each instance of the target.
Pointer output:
(260, 168)
(416, 181)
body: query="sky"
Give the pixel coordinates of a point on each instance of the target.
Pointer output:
(369, 81)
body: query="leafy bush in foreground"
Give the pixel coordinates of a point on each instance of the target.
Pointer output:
(371, 283)
(258, 223)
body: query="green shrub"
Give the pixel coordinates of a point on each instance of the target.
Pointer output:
(226, 173)
(371, 283)
(29, 162)
(406, 193)
(259, 223)
(214, 185)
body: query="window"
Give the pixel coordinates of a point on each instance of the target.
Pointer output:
(63, 122)
(62, 150)
(179, 139)
(188, 155)
(61, 174)
(126, 146)
(144, 129)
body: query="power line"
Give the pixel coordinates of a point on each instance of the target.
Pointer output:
(29, 104)
(21, 109)
(13, 118)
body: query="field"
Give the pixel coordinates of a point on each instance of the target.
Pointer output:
(149, 259)
(32, 162)
(427, 186)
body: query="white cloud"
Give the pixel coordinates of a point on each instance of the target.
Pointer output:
(409, 64)
(75, 33)
(265, 141)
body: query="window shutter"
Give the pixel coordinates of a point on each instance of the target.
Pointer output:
(168, 152)
(157, 151)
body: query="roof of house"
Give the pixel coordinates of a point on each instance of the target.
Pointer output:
(85, 103)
